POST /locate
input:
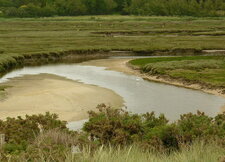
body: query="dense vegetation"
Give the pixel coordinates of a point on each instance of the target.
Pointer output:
(43, 8)
(44, 137)
(208, 70)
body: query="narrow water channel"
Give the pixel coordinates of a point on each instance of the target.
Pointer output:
(140, 96)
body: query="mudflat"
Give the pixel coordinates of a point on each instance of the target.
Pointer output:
(34, 94)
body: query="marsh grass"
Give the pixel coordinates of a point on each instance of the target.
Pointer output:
(22, 38)
(43, 35)
(205, 69)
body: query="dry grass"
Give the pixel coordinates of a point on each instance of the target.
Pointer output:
(56, 146)
(198, 152)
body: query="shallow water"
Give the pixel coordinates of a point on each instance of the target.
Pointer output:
(140, 96)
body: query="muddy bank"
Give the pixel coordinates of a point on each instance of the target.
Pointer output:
(222, 109)
(166, 33)
(34, 94)
(122, 65)
(110, 33)
(75, 56)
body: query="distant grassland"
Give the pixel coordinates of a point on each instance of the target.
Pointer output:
(41, 37)
(209, 70)
(26, 36)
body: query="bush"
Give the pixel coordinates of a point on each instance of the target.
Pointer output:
(30, 10)
(175, 7)
(11, 12)
(20, 132)
(119, 127)
(25, 8)
(110, 127)
(113, 126)
(51, 144)
(195, 126)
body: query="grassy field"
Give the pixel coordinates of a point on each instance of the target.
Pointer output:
(38, 38)
(27, 37)
(195, 153)
(20, 36)
(209, 70)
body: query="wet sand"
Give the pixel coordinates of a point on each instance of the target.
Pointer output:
(222, 109)
(35, 94)
(119, 65)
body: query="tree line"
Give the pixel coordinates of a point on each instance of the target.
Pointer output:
(46, 8)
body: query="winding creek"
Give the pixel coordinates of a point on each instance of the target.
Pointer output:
(139, 95)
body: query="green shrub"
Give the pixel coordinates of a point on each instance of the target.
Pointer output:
(109, 127)
(118, 127)
(195, 126)
(20, 132)
(113, 126)
(162, 137)
(25, 8)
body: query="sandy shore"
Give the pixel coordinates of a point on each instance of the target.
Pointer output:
(222, 109)
(113, 64)
(34, 94)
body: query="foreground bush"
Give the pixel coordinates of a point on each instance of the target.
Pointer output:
(197, 152)
(20, 132)
(112, 134)
(118, 127)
